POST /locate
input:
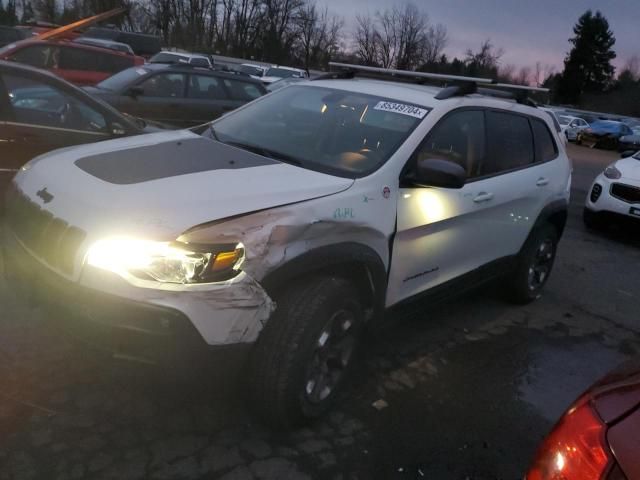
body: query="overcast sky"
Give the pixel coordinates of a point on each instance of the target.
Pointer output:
(527, 30)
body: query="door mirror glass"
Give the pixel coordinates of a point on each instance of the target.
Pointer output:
(135, 91)
(433, 172)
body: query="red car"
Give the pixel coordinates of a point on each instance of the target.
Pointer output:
(77, 63)
(598, 438)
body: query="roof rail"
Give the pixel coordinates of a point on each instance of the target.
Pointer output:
(463, 85)
(408, 74)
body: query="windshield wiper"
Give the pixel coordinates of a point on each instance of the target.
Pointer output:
(265, 152)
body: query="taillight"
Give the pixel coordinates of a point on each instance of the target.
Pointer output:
(576, 448)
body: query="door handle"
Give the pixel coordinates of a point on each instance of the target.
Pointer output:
(542, 182)
(483, 197)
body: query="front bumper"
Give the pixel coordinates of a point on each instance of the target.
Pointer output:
(113, 320)
(606, 204)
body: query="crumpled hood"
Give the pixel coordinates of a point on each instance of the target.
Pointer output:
(160, 185)
(630, 168)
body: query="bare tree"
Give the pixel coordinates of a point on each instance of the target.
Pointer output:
(523, 77)
(318, 33)
(485, 61)
(632, 65)
(436, 41)
(506, 73)
(366, 39)
(387, 37)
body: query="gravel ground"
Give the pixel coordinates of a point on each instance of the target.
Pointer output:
(468, 388)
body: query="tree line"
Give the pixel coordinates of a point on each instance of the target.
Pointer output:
(301, 33)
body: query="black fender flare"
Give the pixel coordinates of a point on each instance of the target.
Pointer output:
(350, 259)
(555, 213)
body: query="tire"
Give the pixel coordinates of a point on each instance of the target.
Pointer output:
(591, 220)
(535, 264)
(578, 140)
(297, 345)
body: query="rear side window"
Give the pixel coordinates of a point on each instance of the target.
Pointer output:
(546, 148)
(199, 62)
(510, 143)
(459, 138)
(164, 85)
(113, 63)
(39, 56)
(205, 87)
(243, 91)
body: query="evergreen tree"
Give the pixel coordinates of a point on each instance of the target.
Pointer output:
(587, 67)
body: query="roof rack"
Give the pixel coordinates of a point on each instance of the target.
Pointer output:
(461, 85)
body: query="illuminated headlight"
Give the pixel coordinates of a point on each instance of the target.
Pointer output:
(612, 172)
(166, 262)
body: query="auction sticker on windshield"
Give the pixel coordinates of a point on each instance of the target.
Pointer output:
(401, 108)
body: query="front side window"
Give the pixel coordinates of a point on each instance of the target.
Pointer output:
(510, 143)
(282, 73)
(206, 87)
(242, 90)
(80, 59)
(345, 133)
(164, 85)
(35, 103)
(459, 138)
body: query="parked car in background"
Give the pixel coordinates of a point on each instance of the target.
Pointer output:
(597, 438)
(109, 44)
(40, 112)
(255, 71)
(275, 73)
(76, 63)
(177, 94)
(615, 193)
(603, 134)
(272, 87)
(12, 35)
(142, 44)
(630, 142)
(571, 126)
(195, 59)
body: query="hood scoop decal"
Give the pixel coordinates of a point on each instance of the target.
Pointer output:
(168, 159)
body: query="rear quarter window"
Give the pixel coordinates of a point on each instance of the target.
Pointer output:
(509, 143)
(546, 148)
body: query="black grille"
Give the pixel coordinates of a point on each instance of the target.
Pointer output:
(626, 193)
(595, 192)
(50, 238)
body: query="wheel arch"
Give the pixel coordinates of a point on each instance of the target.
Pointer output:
(555, 214)
(350, 260)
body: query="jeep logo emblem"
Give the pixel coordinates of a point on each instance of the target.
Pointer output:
(44, 195)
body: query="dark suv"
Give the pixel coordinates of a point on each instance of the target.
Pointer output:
(76, 63)
(179, 95)
(40, 112)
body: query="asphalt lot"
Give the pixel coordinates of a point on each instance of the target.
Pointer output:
(471, 386)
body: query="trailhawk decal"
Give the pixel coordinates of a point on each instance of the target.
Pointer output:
(402, 109)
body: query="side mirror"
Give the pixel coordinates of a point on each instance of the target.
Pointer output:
(433, 172)
(135, 91)
(117, 130)
(627, 153)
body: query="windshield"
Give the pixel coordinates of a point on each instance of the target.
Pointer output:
(251, 70)
(282, 73)
(345, 133)
(564, 120)
(122, 79)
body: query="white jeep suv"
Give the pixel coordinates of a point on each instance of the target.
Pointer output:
(289, 225)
